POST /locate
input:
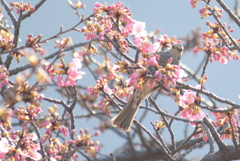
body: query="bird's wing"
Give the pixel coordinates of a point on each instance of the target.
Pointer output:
(164, 57)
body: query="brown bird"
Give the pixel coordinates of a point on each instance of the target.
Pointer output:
(125, 117)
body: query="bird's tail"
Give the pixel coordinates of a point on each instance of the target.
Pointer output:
(125, 117)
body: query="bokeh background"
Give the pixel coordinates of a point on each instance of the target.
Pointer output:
(173, 18)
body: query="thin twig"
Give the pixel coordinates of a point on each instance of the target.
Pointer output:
(161, 139)
(27, 66)
(207, 93)
(28, 14)
(155, 140)
(230, 13)
(214, 133)
(165, 121)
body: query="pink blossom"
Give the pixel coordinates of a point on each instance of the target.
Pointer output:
(115, 68)
(40, 96)
(158, 75)
(139, 29)
(17, 155)
(223, 60)
(79, 55)
(96, 4)
(63, 130)
(75, 64)
(205, 137)
(222, 118)
(1, 16)
(138, 41)
(93, 91)
(52, 159)
(193, 3)
(90, 89)
(72, 74)
(196, 114)
(197, 49)
(154, 47)
(169, 60)
(151, 83)
(105, 106)
(97, 133)
(107, 89)
(47, 135)
(152, 61)
(193, 113)
(4, 147)
(59, 81)
(133, 79)
(184, 113)
(90, 35)
(129, 27)
(33, 151)
(32, 136)
(188, 97)
(15, 135)
(202, 11)
(199, 86)
(44, 124)
(3, 76)
(180, 73)
(224, 48)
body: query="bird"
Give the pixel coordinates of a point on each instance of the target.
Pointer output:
(124, 119)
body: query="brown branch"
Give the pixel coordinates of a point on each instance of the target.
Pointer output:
(214, 133)
(7, 8)
(161, 139)
(207, 93)
(230, 13)
(28, 14)
(226, 32)
(144, 155)
(165, 121)
(233, 133)
(27, 66)
(156, 141)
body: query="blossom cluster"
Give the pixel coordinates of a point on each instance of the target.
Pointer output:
(220, 54)
(4, 74)
(26, 147)
(207, 11)
(215, 36)
(6, 39)
(226, 118)
(212, 38)
(33, 42)
(190, 110)
(63, 43)
(70, 71)
(22, 91)
(20, 6)
(84, 140)
(193, 3)
(145, 70)
(101, 26)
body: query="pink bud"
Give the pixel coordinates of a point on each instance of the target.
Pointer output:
(97, 4)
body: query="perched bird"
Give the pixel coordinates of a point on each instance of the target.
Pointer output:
(125, 117)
